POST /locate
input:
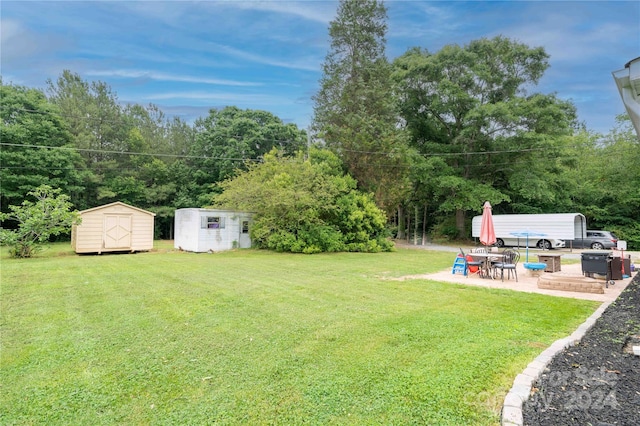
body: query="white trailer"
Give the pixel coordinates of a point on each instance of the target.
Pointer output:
(555, 227)
(203, 230)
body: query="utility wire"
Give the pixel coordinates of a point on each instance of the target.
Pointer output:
(280, 141)
(110, 121)
(452, 154)
(106, 151)
(103, 151)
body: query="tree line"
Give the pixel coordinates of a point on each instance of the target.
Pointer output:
(429, 135)
(79, 138)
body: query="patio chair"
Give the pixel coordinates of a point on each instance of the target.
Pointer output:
(473, 266)
(509, 262)
(487, 261)
(493, 260)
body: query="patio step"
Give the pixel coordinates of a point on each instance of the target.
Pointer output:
(567, 282)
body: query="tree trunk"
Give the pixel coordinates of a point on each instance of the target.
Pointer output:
(415, 226)
(460, 223)
(424, 226)
(401, 223)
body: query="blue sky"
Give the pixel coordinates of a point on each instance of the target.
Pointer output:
(187, 57)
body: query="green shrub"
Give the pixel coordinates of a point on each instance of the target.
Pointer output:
(306, 206)
(445, 230)
(50, 215)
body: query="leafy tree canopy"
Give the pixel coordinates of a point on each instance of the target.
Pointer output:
(608, 175)
(229, 137)
(306, 206)
(36, 146)
(471, 106)
(93, 113)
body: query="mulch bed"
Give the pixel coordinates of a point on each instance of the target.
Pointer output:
(596, 382)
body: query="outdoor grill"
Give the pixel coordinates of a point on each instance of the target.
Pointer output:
(597, 262)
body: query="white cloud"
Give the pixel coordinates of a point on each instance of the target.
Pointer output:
(575, 37)
(421, 20)
(303, 63)
(276, 47)
(155, 75)
(10, 29)
(216, 98)
(177, 12)
(18, 42)
(317, 11)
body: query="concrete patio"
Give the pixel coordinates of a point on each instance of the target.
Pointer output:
(528, 283)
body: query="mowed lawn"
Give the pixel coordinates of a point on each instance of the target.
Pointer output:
(255, 337)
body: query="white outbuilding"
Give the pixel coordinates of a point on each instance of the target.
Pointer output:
(113, 227)
(203, 230)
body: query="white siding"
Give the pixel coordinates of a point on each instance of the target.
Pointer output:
(186, 229)
(562, 226)
(193, 234)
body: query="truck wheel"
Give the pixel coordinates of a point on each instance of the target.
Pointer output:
(499, 242)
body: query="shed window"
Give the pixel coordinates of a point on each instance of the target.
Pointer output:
(212, 222)
(245, 226)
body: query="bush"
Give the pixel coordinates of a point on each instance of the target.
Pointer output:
(630, 234)
(445, 230)
(306, 206)
(37, 221)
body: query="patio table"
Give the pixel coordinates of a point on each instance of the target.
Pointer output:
(486, 259)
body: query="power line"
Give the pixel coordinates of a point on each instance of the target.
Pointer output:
(242, 159)
(236, 159)
(111, 121)
(451, 154)
(149, 154)
(242, 137)
(282, 141)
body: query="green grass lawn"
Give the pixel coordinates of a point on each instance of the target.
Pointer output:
(255, 337)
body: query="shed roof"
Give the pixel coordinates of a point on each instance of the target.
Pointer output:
(117, 203)
(213, 210)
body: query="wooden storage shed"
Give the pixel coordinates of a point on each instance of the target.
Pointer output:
(113, 227)
(202, 230)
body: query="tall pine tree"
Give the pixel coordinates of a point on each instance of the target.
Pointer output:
(354, 109)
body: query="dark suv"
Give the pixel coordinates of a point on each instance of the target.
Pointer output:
(596, 240)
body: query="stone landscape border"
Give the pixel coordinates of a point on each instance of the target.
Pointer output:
(521, 389)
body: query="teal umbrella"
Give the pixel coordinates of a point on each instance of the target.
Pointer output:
(528, 234)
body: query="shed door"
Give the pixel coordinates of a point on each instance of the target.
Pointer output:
(117, 231)
(244, 239)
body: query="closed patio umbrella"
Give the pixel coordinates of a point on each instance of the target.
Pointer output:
(487, 232)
